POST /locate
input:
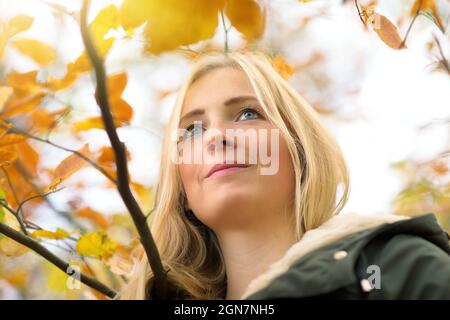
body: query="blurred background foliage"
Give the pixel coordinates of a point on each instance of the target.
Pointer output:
(50, 124)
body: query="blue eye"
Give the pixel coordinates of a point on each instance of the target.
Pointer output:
(248, 114)
(193, 129)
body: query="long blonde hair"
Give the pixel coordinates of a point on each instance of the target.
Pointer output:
(188, 248)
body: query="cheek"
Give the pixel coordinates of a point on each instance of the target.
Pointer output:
(189, 177)
(282, 181)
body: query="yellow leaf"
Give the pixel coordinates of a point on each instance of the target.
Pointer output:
(39, 51)
(5, 93)
(145, 196)
(89, 123)
(8, 246)
(24, 81)
(19, 23)
(282, 67)
(96, 244)
(74, 69)
(58, 234)
(170, 24)
(11, 248)
(93, 123)
(57, 279)
(107, 19)
(246, 16)
(19, 106)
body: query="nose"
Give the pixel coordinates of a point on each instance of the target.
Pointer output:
(217, 138)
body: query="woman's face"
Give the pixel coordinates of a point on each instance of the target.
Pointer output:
(230, 126)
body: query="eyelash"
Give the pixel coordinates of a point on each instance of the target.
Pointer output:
(240, 113)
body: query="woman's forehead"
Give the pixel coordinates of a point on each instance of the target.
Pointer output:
(216, 87)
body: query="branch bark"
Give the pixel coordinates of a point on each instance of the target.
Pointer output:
(139, 219)
(52, 258)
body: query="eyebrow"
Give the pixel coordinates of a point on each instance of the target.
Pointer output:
(226, 103)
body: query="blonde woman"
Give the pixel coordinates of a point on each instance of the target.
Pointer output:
(230, 228)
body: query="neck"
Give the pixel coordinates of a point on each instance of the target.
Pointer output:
(248, 253)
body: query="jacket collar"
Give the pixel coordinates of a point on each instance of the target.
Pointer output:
(335, 228)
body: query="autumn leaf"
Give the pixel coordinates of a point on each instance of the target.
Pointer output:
(8, 246)
(11, 139)
(93, 216)
(69, 166)
(108, 18)
(17, 24)
(2, 198)
(387, 32)
(170, 24)
(121, 110)
(74, 69)
(96, 244)
(7, 157)
(122, 261)
(427, 5)
(25, 83)
(384, 28)
(5, 93)
(282, 66)
(246, 16)
(58, 234)
(39, 51)
(28, 156)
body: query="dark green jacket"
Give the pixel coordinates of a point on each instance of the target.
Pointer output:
(407, 259)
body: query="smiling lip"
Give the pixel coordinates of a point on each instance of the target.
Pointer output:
(224, 168)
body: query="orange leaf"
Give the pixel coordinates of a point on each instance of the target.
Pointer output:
(15, 106)
(121, 110)
(386, 30)
(7, 157)
(282, 67)
(94, 216)
(28, 156)
(11, 139)
(427, 5)
(69, 166)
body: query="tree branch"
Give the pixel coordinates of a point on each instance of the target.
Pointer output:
(79, 154)
(28, 178)
(101, 95)
(52, 258)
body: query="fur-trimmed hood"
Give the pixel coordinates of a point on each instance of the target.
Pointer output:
(335, 228)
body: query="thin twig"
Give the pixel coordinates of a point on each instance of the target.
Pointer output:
(37, 196)
(443, 61)
(55, 260)
(226, 32)
(28, 178)
(101, 95)
(79, 154)
(22, 223)
(411, 24)
(359, 12)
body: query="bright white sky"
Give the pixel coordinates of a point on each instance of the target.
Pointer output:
(374, 126)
